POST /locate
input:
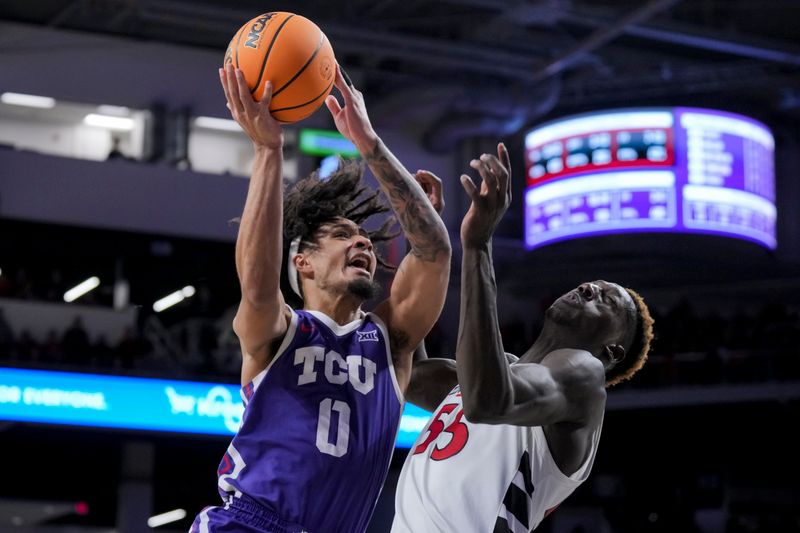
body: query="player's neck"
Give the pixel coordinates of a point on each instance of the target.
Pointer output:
(553, 338)
(341, 308)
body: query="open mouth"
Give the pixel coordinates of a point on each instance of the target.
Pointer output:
(361, 264)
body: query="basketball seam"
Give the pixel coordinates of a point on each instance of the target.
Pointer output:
(238, 41)
(266, 56)
(303, 68)
(306, 103)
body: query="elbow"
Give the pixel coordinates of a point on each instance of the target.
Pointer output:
(473, 413)
(447, 248)
(486, 411)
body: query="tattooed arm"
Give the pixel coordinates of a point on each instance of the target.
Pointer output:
(418, 291)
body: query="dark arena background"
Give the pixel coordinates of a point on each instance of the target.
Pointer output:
(654, 143)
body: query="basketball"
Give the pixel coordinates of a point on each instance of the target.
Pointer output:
(290, 51)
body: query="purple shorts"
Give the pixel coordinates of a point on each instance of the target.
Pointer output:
(242, 515)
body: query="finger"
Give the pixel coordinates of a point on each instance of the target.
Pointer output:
(499, 172)
(266, 94)
(233, 90)
(428, 176)
(347, 79)
(426, 179)
(423, 180)
(502, 153)
(486, 173)
(223, 80)
(493, 164)
(333, 105)
(432, 186)
(247, 101)
(469, 187)
(341, 84)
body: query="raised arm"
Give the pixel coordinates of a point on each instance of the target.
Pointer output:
(261, 317)
(494, 391)
(420, 284)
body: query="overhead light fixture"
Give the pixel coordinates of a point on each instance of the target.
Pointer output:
(28, 100)
(109, 122)
(81, 288)
(114, 110)
(166, 518)
(173, 298)
(214, 123)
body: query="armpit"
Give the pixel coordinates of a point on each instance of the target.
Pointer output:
(398, 340)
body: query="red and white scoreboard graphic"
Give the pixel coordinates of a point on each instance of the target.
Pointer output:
(650, 169)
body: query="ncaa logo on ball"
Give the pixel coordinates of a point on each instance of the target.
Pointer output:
(255, 30)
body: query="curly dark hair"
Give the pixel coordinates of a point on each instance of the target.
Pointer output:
(313, 202)
(640, 346)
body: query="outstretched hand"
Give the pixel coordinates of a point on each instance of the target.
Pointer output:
(432, 186)
(490, 203)
(351, 120)
(254, 117)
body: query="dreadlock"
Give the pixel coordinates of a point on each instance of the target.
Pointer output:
(640, 346)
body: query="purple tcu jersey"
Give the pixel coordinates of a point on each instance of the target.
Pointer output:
(319, 425)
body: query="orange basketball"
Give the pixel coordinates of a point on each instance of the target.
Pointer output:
(292, 53)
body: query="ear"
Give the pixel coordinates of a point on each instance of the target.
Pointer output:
(614, 352)
(303, 265)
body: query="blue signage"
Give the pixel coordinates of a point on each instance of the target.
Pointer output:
(138, 403)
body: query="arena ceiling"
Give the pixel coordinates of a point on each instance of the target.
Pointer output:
(493, 66)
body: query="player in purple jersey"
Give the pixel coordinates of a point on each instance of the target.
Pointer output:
(323, 386)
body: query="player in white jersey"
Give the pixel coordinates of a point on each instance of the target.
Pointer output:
(516, 436)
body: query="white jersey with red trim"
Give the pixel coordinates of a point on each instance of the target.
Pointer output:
(464, 477)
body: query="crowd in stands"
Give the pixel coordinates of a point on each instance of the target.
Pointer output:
(691, 348)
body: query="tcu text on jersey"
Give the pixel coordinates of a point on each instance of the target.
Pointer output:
(338, 370)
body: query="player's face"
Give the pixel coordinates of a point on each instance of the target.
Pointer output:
(597, 308)
(344, 254)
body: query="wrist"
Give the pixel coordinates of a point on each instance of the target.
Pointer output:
(271, 149)
(477, 245)
(367, 144)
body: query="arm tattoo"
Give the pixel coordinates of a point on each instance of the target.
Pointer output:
(422, 227)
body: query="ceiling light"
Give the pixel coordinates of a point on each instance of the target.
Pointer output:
(107, 121)
(173, 298)
(166, 518)
(213, 123)
(114, 110)
(28, 100)
(81, 288)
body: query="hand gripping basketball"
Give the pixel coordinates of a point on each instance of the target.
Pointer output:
(254, 117)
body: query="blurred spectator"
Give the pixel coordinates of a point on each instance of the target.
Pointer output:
(27, 349)
(132, 346)
(22, 285)
(75, 343)
(51, 349)
(6, 337)
(101, 352)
